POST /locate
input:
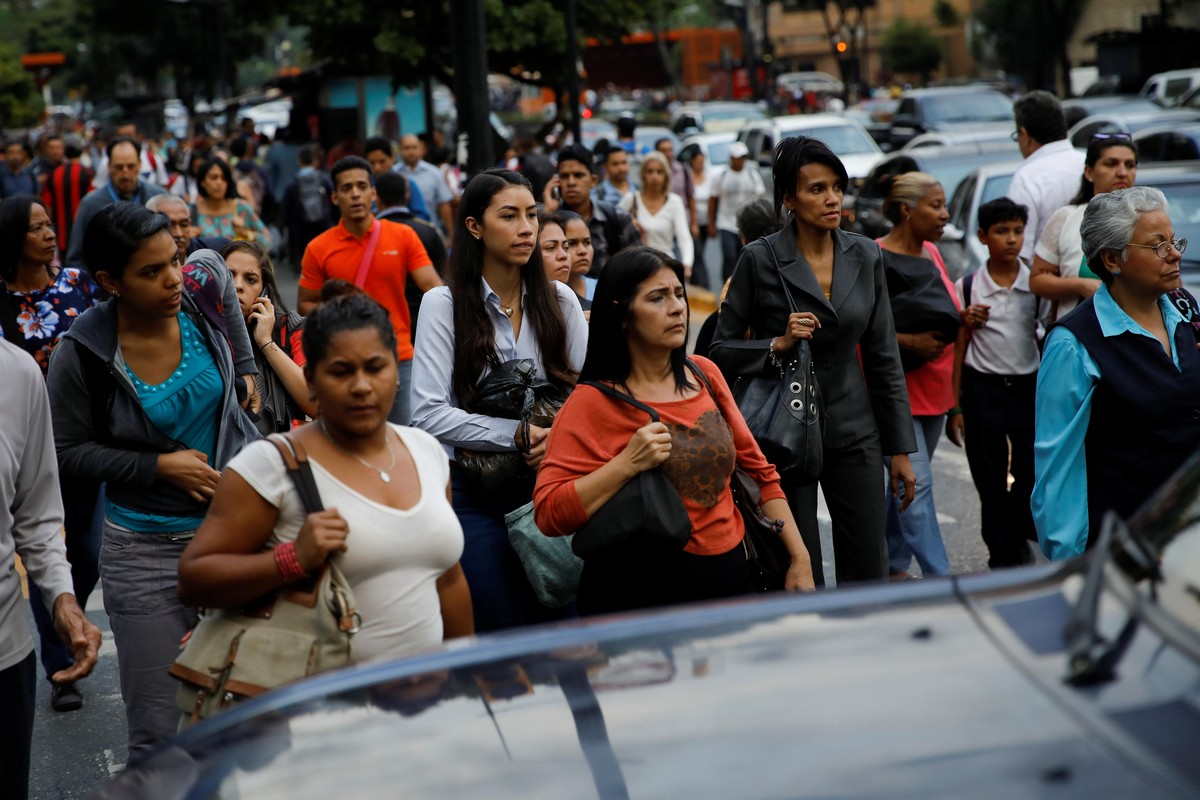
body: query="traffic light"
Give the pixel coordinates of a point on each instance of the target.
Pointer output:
(841, 47)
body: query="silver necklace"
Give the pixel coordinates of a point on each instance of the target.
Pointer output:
(383, 473)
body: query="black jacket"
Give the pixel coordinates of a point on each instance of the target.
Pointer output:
(858, 314)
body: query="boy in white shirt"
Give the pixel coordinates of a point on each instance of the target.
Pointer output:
(996, 360)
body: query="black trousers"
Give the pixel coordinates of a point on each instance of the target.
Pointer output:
(644, 574)
(850, 478)
(17, 694)
(998, 414)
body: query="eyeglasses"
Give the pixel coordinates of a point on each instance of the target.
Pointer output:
(1120, 136)
(37, 230)
(1163, 248)
(1015, 135)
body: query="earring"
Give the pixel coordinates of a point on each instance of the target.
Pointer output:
(1116, 272)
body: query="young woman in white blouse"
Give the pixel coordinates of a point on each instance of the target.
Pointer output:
(497, 306)
(659, 214)
(387, 521)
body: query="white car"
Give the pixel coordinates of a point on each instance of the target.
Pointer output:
(715, 147)
(845, 137)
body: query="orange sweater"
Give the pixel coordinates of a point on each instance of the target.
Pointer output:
(592, 429)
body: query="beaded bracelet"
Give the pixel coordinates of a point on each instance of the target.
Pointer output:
(288, 564)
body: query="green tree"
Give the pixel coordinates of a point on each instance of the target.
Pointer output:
(1030, 37)
(911, 47)
(20, 102)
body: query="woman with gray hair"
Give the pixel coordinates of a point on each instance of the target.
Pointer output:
(1117, 392)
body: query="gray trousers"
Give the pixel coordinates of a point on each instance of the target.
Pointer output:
(139, 575)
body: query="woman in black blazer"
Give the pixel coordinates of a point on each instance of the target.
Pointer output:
(836, 279)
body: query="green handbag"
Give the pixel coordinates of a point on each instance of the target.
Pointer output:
(552, 568)
(300, 630)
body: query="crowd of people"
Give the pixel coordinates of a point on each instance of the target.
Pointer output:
(158, 352)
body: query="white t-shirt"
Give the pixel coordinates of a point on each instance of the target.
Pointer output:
(665, 229)
(1006, 345)
(733, 189)
(1062, 246)
(393, 558)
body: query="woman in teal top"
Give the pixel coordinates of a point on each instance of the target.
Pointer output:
(143, 397)
(219, 211)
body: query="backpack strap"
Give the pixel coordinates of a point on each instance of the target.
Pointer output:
(968, 281)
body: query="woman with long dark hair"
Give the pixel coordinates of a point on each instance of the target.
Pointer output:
(498, 306)
(837, 281)
(39, 303)
(638, 346)
(142, 393)
(276, 333)
(220, 210)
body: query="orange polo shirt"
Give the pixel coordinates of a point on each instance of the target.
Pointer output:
(337, 254)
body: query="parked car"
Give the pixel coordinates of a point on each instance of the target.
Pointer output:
(1075, 680)
(1191, 100)
(1127, 122)
(949, 164)
(1168, 88)
(1077, 108)
(950, 108)
(1169, 143)
(713, 117)
(957, 138)
(845, 137)
(1180, 182)
(819, 82)
(960, 247)
(875, 115)
(715, 147)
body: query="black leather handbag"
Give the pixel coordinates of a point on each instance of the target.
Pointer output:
(647, 508)
(786, 413)
(510, 391)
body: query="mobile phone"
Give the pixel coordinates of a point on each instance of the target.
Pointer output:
(265, 293)
(556, 193)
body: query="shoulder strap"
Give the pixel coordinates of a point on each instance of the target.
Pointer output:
(368, 256)
(625, 398)
(296, 460)
(775, 260)
(101, 386)
(968, 280)
(8, 317)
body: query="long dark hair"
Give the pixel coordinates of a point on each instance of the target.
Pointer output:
(231, 192)
(265, 266)
(474, 333)
(608, 356)
(14, 225)
(1097, 147)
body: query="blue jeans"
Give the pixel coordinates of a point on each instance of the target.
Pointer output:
(140, 574)
(401, 413)
(83, 520)
(916, 532)
(501, 596)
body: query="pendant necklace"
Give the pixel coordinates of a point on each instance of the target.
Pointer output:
(508, 310)
(383, 474)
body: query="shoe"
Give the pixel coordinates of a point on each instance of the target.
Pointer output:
(65, 697)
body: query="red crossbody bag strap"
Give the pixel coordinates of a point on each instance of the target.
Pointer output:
(364, 266)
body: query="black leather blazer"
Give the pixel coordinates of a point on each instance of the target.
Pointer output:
(857, 313)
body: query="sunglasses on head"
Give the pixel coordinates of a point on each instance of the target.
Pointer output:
(1120, 136)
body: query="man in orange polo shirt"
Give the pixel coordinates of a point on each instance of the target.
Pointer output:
(340, 252)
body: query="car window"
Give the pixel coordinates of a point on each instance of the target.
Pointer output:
(766, 147)
(995, 188)
(950, 173)
(1182, 147)
(844, 140)
(1083, 136)
(1183, 204)
(960, 203)
(1152, 147)
(973, 107)
(908, 106)
(1176, 87)
(718, 153)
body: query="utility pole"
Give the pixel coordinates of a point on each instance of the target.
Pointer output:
(573, 71)
(470, 83)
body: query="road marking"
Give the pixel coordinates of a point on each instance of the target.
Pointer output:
(113, 766)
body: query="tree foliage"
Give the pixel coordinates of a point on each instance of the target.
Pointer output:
(1030, 37)
(911, 47)
(20, 102)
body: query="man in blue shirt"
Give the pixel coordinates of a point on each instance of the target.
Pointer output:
(429, 179)
(16, 177)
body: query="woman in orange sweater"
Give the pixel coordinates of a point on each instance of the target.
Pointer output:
(637, 341)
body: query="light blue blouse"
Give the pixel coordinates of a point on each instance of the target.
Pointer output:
(185, 407)
(436, 410)
(1066, 381)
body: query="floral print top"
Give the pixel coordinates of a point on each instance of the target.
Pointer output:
(45, 315)
(222, 225)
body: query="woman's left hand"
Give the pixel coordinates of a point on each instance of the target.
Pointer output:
(262, 320)
(901, 470)
(799, 576)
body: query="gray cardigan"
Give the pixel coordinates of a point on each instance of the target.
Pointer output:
(857, 314)
(127, 457)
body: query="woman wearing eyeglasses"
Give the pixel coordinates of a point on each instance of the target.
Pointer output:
(1060, 273)
(1120, 377)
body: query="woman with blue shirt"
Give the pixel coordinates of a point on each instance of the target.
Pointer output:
(1118, 390)
(142, 397)
(497, 307)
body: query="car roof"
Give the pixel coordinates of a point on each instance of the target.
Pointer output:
(941, 90)
(824, 120)
(1169, 172)
(1178, 127)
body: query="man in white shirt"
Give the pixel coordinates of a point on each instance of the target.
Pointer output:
(1053, 169)
(734, 188)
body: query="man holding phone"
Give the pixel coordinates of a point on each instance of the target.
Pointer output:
(612, 229)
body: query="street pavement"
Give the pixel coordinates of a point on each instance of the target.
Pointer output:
(74, 753)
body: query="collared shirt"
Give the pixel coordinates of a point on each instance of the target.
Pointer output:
(22, 181)
(436, 409)
(1066, 383)
(432, 183)
(1007, 344)
(338, 253)
(609, 193)
(1044, 183)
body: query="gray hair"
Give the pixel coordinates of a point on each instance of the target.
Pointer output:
(907, 190)
(1109, 221)
(158, 202)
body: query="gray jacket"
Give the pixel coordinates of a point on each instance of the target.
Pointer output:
(127, 457)
(858, 316)
(90, 205)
